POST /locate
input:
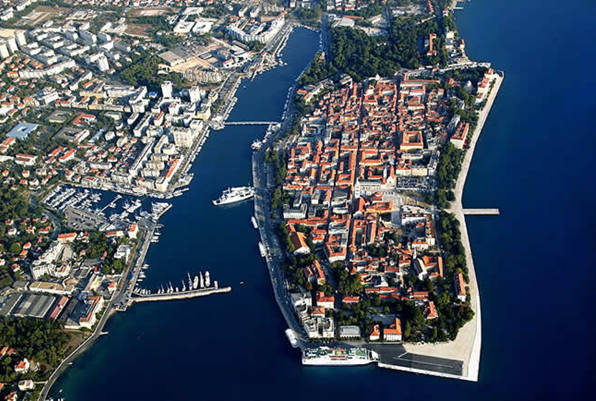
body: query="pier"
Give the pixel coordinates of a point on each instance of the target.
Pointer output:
(479, 212)
(178, 295)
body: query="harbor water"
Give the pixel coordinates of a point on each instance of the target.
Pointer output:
(532, 262)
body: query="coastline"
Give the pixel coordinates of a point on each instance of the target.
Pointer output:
(98, 330)
(110, 311)
(262, 212)
(467, 346)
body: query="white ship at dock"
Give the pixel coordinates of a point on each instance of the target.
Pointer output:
(338, 356)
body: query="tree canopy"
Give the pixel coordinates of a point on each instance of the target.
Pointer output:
(35, 339)
(143, 71)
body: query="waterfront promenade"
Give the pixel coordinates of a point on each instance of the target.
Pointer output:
(467, 346)
(262, 176)
(274, 255)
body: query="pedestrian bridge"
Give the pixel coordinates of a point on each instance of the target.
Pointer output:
(250, 122)
(490, 212)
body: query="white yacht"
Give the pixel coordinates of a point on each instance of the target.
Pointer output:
(236, 194)
(256, 145)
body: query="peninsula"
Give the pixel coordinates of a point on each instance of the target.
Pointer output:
(104, 107)
(361, 210)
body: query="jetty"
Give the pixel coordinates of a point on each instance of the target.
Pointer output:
(178, 295)
(479, 212)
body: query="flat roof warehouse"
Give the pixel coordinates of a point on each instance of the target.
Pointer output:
(22, 130)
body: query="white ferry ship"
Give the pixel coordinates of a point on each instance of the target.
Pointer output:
(338, 356)
(236, 194)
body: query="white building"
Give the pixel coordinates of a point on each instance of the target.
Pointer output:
(102, 63)
(183, 137)
(167, 89)
(195, 94)
(25, 385)
(349, 332)
(122, 252)
(92, 305)
(255, 34)
(23, 366)
(9, 39)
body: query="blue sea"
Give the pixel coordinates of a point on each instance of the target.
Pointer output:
(534, 262)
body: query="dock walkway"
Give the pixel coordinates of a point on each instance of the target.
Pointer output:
(179, 295)
(478, 212)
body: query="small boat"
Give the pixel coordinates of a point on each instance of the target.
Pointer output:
(292, 338)
(256, 145)
(254, 222)
(262, 249)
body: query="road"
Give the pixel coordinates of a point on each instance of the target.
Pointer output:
(275, 255)
(262, 182)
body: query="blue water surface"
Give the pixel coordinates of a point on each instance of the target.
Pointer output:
(534, 263)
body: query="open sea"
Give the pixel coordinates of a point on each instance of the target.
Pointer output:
(534, 263)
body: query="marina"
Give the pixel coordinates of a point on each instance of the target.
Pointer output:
(202, 281)
(82, 203)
